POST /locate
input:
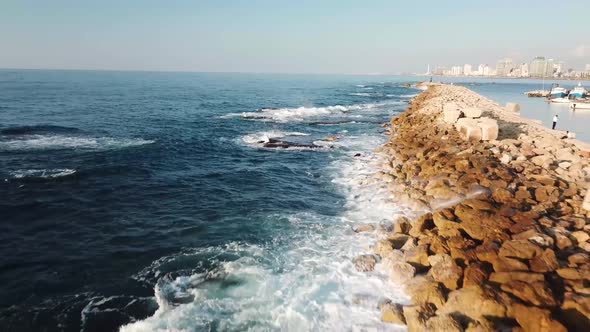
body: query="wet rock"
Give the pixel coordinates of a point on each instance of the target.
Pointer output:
(421, 224)
(398, 240)
(402, 225)
(362, 228)
(392, 313)
(383, 247)
(365, 263)
(401, 272)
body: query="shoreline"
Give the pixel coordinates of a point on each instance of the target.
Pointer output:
(499, 218)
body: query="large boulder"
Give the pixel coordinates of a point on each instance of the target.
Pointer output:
(443, 323)
(536, 319)
(392, 313)
(424, 290)
(451, 113)
(401, 272)
(477, 303)
(522, 249)
(472, 112)
(417, 315)
(536, 293)
(489, 129)
(445, 270)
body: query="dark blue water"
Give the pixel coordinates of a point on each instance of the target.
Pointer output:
(129, 196)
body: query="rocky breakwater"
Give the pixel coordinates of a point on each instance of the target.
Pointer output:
(501, 240)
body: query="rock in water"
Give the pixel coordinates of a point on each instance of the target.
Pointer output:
(365, 263)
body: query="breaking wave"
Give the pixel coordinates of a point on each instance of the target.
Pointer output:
(297, 282)
(42, 173)
(54, 142)
(301, 113)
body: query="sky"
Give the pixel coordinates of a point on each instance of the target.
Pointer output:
(296, 36)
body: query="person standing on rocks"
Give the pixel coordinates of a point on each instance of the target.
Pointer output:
(554, 121)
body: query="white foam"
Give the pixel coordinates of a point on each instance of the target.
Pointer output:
(264, 136)
(52, 142)
(42, 173)
(302, 280)
(366, 94)
(301, 113)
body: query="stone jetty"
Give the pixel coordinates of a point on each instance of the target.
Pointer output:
(501, 237)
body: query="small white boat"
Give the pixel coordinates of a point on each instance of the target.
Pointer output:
(578, 105)
(578, 92)
(559, 100)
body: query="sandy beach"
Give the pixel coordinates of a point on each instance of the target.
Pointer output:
(500, 237)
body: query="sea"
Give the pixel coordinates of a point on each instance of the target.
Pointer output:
(169, 201)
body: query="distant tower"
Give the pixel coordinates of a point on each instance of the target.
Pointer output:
(428, 70)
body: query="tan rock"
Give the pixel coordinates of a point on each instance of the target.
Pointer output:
(579, 258)
(383, 247)
(575, 311)
(472, 112)
(475, 274)
(421, 224)
(416, 317)
(489, 129)
(445, 270)
(536, 293)
(361, 228)
(392, 313)
(446, 228)
(417, 256)
(581, 236)
(476, 303)
(401, 272)
(570, 273)
(402, 225)
(523, 249)
(536, 319)
(443, 323)
(504, 277)
(424, 290)
(397, 240)
(505, 264)
(546, 262)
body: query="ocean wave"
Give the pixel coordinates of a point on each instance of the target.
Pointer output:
(301, 113)
(366, 94)
(55, 142)
(42, 173)
(304, 280)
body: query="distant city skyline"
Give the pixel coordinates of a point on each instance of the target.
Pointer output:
(346, 37)
(538, 67)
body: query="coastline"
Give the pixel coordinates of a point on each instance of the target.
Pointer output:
(499, 222)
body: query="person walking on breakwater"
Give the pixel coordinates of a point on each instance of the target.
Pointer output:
(554, 121)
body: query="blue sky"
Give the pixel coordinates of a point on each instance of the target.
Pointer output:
(304, 36)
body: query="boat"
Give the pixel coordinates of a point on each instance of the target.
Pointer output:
(580, 105)
(559, 100)
(557, 92)
(578, 92)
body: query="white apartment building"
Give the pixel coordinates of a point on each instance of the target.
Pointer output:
(467, 69)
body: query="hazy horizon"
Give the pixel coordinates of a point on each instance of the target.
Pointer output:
(321, 37)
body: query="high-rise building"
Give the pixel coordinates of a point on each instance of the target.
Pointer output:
(487, 71)
(504, 67)
(457, 71)
(549, 68)
(480, 70)
(524, 70)
(467, 69)
(588, 67)
(538, 67)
